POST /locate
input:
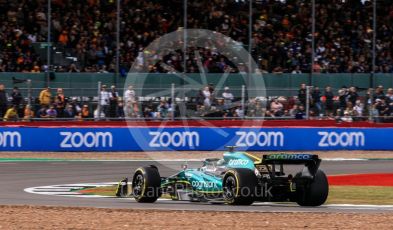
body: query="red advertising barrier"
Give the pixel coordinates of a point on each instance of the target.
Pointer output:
(201, 123)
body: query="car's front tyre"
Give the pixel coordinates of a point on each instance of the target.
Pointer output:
(239, 186)
(146, 185)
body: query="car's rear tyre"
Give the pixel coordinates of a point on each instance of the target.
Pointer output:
(314, 192)
(146, 185)
(239, 186)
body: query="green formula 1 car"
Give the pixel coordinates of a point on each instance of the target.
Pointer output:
(238, 179)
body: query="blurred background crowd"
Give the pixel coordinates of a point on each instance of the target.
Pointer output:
(83, 34)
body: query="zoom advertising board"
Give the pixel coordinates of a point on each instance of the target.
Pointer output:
(193, 139)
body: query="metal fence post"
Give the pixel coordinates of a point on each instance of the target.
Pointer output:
(49, 45)
(117, 69)
(250, 70)
(99, 101)
(308, 102)
(182, 93)
(374, 43)
(310, 80)
(243, 99)
(29, 92)
(173, 104)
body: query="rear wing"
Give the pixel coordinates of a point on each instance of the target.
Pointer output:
(311, 161)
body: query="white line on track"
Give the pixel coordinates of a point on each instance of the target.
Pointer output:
(344, 159)
(68, 190)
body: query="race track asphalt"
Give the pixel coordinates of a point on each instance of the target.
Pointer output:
(18, 175)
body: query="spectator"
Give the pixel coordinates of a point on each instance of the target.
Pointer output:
(370, 96)
(113, 101)
(60, 101)
(45, 97)
(11, 114)
(130, 100)
(347, 117)
(148, 111)
(75, 105)
(200, 98)
(276, 108)
(28, 113)
(255, 108)
(342, 98)
(16, 97)
(85, 112)
(389, 95)
(219, 108)
(73, 69)
(316, 100)
(69, 112)
(120, 109)
(358, 108)
(51, 112)
(382, 108)
(202, 111)
(352, 95)
(379, 94)
(268, 114)
(297, 70)
(293, 111)
(98, 115)
(3, 100)
(211, 88)
(129, 95)
(129, 110)
(302, 94)
(239, 112)
(42, 112)
(300, 113)
(228, 97)
(350, 109)
(328, 96)
(231, 113)
(162, 109)
(207, 96)
(104, 100)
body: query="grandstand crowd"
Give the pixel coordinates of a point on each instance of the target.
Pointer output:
(344, 105)
(86, 31)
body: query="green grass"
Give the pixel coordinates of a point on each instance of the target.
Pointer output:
(360, 195)
(102, 191)
(377, 195)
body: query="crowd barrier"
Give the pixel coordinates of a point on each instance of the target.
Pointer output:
(192, 138)
(85, 84)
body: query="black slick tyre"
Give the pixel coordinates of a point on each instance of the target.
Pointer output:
(313, 193)
(239, 186)
(146, 185)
